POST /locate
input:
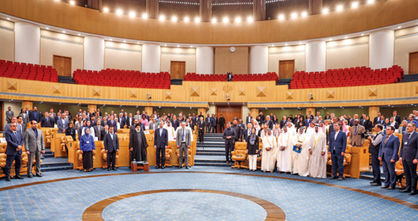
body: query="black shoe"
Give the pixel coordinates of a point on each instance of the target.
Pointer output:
(384, 187)
(30, 176)
(18, 177)
(187, 167)
(114, 168)
(180, 167)
(157, 167)
(413, 193)
(340, 179)
(8, 178)
(108, 169)
(405, 191)
(163, 167)
(334, 177)
(375, 184)
(38, 175)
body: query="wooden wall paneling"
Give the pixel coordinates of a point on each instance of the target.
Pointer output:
(413, 63)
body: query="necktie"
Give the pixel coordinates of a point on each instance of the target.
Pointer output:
(183, 135)
(409, 135)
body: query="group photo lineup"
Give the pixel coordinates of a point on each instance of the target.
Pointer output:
(217, 110)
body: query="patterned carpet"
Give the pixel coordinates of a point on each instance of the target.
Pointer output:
(67, 200)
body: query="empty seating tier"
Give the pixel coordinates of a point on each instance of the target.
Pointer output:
(123, 78)
(26, 71)
(355, 76)
(269, 76)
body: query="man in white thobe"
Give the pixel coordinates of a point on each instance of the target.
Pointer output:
(318, 155)
(170, 131)
(267, 157)
(301, 161)
(285, 146)
(311, 129)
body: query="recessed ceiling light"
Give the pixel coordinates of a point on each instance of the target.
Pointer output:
(8, 18)
(345, 37)
(354, 5)
(178, 46)
(161, 18)
(369, 2)
(399, 27)
(362, 34)
(47, 28)
(238, 20)
(197, 19)
(56, 0)
(186, 19)
(339, 8)
(106, 10)
(214, 20)
(281, 17)
(138, 42)
(124, 41)
(110, 39)
(250, 19)
(132, 14)
(325, 11)
(225, 20)
(72, 2)
(64, 32)
(294, 15)
(144, 16)
(174, 18)
(79, 34)
(286, 44)
(304, 14)
(119, 12)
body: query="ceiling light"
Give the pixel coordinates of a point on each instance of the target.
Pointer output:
(178, 46)
(105, 10)
(294, 15)
(304, 14)
(47, 28)
(225, 20)
(214, 20)
(281, 17)
(186, 19)
(339, 8)
(399, 27)
(144, 16)
(197, 19)
(56, 0)
(79, 34)
(161, 18)
(174, 18)
(345, 37)
(119, 12)
(72, 2)
(250, 19)
(369, 2)
(8, 18)
(325, 11)
(132, 14)
(354, 5)
(362, 34)
(138, 42)
(64, 32)
(330, 39)
(286, 44)
(110, 39)
(238, 20)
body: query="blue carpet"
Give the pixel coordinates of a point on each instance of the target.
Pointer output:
(66, 200)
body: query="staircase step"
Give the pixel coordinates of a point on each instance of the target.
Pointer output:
(211, 164)
(211, 149)
(56, 168)
(210, 145)
(213, 135)
(218, 153)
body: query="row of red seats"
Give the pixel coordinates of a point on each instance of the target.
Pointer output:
(27, 71)
(123, 78)
(356, 76)
(269, 76)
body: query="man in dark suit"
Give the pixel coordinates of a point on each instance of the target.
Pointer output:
(337, 145)
(248, 119)
(201, 129)
(207, 123)
(247, 132)
(376, 120)
(111, 144)
(213, 123)
(47, 121)
(229, 137)
(235, 126)
(129, 120)
(15, 141)
(388, 154)
(160, 143)
(374, 147)
(221, 123)
(229, 76)
(9, 115)
(35, 115)
(99, 131)
(397, 117)
(112, 123)
(409, 158)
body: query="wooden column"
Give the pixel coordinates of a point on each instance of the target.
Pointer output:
(373, 112)
(205, 10)
(315, 7)
(310, 109)
(92, 108)
(259, 10)
(201, 109)
(94, 4)
(254, 112)
(152, 8)
(148, 109)
(26, 104)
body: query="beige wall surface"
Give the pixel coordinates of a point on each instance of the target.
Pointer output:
(235, 62)
(296, 53)
(7, 40)
(122, 56)
(178, 54)
(348, 53)
(406, 41)
(53, 43)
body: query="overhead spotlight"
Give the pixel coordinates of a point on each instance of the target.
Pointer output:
(197, 19)
(325, 11)
(132, 14)
(294, 15)
(186, 19)
(250, 19)
(174, 18)
(79, 34)
(119, 12)
(339, 8)
(238, 20)
(345, 37)
(47, 28)
(362, 34)
(110, 39)
(178, 46)
(144, 16)
(331, 39)
(124, 41)
(105, 10)
(286, 44)
(72, 2)
(354, 5)
(304, 14)
(225, 20)
(64, 32)
(161, 18)
(369, 2)
(399, 27)
(300, 43)
(57, 0)
(281, 17)
(8, 18)
(214, 20)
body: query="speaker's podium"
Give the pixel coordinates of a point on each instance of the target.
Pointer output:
(143, 165)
